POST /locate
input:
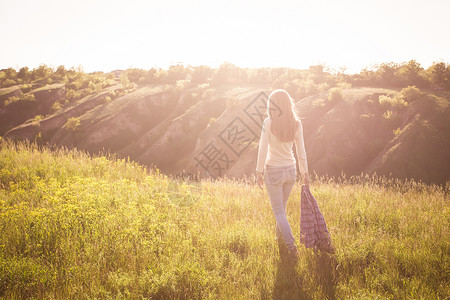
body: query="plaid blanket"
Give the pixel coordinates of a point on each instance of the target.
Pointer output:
(313, 230)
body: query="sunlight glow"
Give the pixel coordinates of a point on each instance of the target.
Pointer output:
(107, 35)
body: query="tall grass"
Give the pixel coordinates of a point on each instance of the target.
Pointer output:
(75, 226)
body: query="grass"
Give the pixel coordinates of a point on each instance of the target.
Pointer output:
(74, 226)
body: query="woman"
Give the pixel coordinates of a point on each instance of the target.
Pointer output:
(276, 162)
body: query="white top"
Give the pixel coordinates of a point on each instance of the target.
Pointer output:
(280, 153)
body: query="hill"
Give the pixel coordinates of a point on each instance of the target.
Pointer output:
(206, 122)
(76, 226)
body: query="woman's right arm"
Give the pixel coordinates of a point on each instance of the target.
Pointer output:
(262, 154)
(263, 145)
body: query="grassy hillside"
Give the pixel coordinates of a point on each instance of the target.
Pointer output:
(403, 134)
(393, 120)
(75, 226)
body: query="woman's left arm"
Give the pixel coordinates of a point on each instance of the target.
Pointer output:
(301, 153)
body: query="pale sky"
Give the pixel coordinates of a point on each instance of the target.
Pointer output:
(104, 35)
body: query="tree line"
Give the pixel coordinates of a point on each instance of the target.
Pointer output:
(299, 83)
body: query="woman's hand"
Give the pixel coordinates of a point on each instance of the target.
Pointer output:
(306, 180)
(260, 179)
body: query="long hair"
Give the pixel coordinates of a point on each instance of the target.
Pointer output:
(280, 108)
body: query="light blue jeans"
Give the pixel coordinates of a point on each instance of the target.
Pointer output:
(279, 183)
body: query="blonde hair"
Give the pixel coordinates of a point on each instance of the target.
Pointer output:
(280, 108)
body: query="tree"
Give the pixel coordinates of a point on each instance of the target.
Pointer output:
(225, 73)
(317, 73)
(176, 72)
(24, 74)
(42, 72)
(438, 75)
(386, 74)
(134, 75)
(124, 80)
(60, 73)
(8, 77)
(8, 82)
(411, 73)
(201, 74)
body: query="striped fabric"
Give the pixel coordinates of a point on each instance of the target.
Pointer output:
(313, 230)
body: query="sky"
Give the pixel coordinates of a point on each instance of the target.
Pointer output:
(105, 35)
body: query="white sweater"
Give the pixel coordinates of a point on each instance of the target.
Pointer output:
(280, 153)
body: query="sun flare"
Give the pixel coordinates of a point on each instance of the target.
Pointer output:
(105, 35)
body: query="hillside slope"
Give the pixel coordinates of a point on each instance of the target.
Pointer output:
(362, 130)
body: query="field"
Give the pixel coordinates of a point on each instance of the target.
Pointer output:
(73, 226)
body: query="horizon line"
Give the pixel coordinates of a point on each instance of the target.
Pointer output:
(166, 66)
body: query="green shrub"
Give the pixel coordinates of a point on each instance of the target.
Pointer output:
(38, 118)
(56, 107)
(335, 95)
(181, 85)
(411, 94)
(323, 87)
(389, 114)
(27, 97)
(12, 99)
(8, 82)
(319, 103)
(212, 120)
(124, 81)
(26, 88)
(344, 85)
(72, 123)
(22, 98)
(394, 101)
(397, 131)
